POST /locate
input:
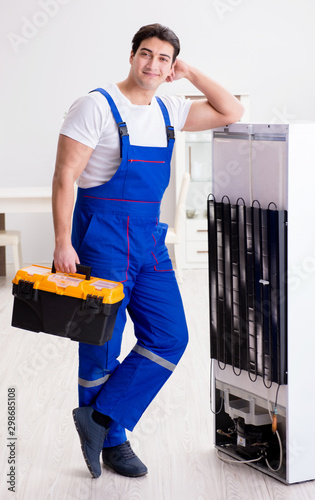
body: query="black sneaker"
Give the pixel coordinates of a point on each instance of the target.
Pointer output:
(123, 460)
(92, 437)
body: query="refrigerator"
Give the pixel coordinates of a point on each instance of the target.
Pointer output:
(261, 242)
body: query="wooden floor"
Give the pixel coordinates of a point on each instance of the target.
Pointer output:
(174, 437)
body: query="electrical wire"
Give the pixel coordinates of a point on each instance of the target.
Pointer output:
(280, 457)
(278, 437)
(221, 406)
(236, 461)
(277, 393)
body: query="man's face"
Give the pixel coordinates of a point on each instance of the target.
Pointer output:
(152, 63)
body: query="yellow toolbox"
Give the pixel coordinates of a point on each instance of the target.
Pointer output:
(76, 306)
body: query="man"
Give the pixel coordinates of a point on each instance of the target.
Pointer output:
(117, 144)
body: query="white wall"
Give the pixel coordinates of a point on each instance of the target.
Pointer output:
(52, 51)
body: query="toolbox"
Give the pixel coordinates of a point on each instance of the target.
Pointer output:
(76, 306)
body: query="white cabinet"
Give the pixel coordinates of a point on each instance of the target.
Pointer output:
(196, 241)
(193, 154)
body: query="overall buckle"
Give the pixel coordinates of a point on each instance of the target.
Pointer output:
(123, 132)
(170, 132)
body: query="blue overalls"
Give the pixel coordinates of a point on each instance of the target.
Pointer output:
(116, 231)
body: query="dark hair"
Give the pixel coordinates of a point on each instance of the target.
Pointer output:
(158, 31)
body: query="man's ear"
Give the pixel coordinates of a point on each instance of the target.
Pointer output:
(173, 66)
(131, 57)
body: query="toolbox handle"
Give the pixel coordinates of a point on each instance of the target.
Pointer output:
(86, 270)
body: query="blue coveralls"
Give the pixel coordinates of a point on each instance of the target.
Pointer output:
(116, 231)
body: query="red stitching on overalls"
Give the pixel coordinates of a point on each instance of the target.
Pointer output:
(116, 199)
(146, 161)
(160, 270)
(128, 251)
(154, 239)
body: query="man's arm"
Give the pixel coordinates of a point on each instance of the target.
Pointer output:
(72, 158)
(219, 108)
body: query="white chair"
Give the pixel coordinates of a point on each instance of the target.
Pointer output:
(175, 234)
(13, 238)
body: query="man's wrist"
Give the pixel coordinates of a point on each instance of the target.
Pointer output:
(193, 75)
(62, 240)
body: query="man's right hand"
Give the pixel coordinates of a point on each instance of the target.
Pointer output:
(65, 258)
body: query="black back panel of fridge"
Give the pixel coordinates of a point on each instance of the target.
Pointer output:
(247, 282)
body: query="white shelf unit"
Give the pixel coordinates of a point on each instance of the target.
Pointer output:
(193, 153)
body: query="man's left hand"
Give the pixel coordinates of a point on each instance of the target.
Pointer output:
(180, 70)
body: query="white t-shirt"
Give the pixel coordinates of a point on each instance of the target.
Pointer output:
(90, 121)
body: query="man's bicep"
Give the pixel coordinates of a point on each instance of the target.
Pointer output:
(202, 116)
(72, 156)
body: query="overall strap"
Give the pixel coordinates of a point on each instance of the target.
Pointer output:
(122, 126)
(169, 128)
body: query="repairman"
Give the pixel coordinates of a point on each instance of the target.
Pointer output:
(116, 142)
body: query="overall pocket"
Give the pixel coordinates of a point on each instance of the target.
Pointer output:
(162, 261)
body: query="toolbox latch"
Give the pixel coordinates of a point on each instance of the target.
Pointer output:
(24, 290)
(93, 304)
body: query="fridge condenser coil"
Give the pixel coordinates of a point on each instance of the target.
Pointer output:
(248, 299)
